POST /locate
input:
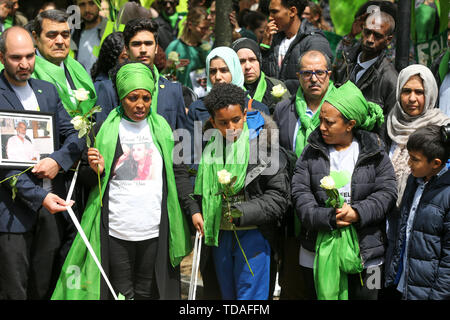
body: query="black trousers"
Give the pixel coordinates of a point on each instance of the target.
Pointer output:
(132, 268)
(15, 251)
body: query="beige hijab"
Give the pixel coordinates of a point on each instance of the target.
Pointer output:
(400, 125)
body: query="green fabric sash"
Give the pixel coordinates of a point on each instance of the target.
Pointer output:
(337, 254)
(8, 23)
(80, 277)
(443, 66)
(307, 124)
(47, 71)
(261, 88)
(207, 184)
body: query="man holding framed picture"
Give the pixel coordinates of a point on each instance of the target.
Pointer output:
(21, 252)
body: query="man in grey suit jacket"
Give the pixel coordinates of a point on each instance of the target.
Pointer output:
(18, 218)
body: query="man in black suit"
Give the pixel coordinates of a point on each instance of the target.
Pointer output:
(19, 234)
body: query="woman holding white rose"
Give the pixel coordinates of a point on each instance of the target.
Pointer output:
(343, 143)
(141, 233)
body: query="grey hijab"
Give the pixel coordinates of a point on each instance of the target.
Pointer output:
(399, 124)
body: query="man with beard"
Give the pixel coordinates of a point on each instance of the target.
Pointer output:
(368, 67)
(167, 21)
(89, 35)
(27, 265)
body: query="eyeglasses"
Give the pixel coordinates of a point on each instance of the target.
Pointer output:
(307, 74)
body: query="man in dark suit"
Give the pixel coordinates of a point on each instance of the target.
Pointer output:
(19, 235)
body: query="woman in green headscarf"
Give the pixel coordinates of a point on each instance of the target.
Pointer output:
(344, 144)
(139, 234)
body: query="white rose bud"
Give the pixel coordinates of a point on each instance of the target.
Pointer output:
(206, 46)
(327, 183)
(278, 91)
(173, 56)
(77, 122)
(80, 124)
(224, 176)
(81, 94)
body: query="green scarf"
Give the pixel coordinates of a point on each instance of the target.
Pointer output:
(47, 71)
(307, 124)
(207, 183)
(337, 254)
(349, 100)
(78, 258)
(7, 23)
(261, 88)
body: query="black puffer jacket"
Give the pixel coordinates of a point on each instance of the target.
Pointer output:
(428, 271)
(308, 38)
(373, 190)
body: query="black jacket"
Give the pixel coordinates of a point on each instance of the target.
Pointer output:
(428, 271)
(378, 84)
(308, 38)
(373, 190)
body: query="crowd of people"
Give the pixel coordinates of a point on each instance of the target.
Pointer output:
(233, 143)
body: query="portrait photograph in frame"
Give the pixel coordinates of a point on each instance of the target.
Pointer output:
(26, 137)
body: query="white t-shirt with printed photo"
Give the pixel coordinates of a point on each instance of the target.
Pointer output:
(135, 192)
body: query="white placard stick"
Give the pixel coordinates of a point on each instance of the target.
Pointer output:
(83, 235)
(195, 265)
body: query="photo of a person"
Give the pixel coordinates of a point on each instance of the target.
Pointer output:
(19, 147)
(142, 154)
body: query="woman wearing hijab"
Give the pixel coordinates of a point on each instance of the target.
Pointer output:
(417, 93)
(222, 66)
(138, 229)
(343, 143)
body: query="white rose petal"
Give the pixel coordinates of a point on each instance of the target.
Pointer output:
(173, 56)
(81, 94)
(224, 176)
(206, 46)
(278, 91)
(327, 183)
(77, 122)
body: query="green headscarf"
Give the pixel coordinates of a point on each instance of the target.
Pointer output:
(349, 100)
(134, 76)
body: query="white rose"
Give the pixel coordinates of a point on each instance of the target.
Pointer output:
(80, 124)
(77, 122)
(206, 46)
(278, 91)
(327, 183)
(224, 176)
(81, 94)
(173, 56)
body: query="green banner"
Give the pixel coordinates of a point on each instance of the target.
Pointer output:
(427, 51)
